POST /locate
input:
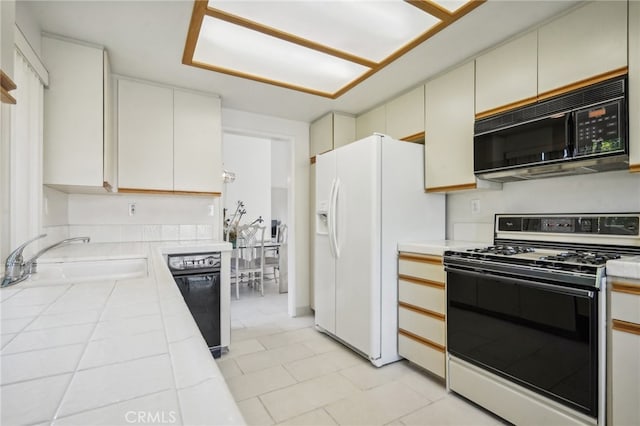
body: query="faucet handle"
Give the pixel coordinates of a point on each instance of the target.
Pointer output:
(16, 255)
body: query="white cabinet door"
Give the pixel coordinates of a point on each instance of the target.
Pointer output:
(197, 149)
(73, 114)
(321, 135)
(145, 136)
(449, 117)
(344, 129)
(370, 122)
(625, 378)
(507, 76)
(583, 44)
(405, 115)
(634, 81)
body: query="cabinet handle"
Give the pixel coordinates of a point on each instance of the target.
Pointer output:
(421, 258)
(422, 311)
(620, 287)
(626, 327)
(421, 340)
(421, 281)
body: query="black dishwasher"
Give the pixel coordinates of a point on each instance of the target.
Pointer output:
(198, 278)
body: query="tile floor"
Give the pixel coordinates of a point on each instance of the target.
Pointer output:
(282, 371)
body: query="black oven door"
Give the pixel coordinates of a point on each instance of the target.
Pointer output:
(535, 333)
(540, 141)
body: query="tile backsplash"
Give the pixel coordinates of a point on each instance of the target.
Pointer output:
(129, 233)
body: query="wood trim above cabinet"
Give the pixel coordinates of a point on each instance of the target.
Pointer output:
(507, 107)
(634, 168)
(415, 138)
(6, 85)
(422, 258)
(626, 327)
(167, 192)
(449, 188)
(421, 281)
(312, 160)
(621, 287)
(422, 311)
(583, 83)
(422, 340)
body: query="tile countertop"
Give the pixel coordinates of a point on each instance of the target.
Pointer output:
(629, 267)
(437, 247)
(109, 351)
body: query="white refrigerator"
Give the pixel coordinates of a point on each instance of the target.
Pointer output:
(369, 196)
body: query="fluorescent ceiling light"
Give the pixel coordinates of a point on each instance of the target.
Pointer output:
(315, 46)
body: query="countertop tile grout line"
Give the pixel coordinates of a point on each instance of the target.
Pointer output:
(75, 413)
(84, 352)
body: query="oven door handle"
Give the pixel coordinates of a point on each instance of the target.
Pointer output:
(533, 284)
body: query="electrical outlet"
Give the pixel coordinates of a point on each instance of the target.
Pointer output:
(211, 209)
(132, 209)
(475, 206)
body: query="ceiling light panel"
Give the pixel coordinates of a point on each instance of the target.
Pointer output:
(244, 51)
(372, 30)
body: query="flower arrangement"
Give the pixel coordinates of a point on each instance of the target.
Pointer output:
(231, 224)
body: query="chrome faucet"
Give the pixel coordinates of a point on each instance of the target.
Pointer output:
(17, 270)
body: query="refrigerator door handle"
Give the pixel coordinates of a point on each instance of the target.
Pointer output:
(334, 214)
(330, 219)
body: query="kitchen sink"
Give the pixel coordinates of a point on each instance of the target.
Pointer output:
(89, 270)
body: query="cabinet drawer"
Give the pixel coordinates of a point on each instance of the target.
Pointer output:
(625, 302)
(426, 296)
(422, 354)
(422, 324)
(625, 378)
(429, 268)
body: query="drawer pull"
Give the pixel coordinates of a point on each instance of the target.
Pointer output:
(421, 258)
(421, 281)
(621, 287)
(626, 327)
(422, 340)
(419, 310)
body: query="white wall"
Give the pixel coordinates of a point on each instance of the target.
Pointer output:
(280, 160)
(250, 159)
(601, 192)
(297, 134)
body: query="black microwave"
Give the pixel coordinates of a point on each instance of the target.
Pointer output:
(584, 131)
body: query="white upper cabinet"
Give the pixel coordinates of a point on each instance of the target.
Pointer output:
(145, 136)
(169, 140)
(449, 118)
(634, 83)
(76, 134)
(197, 143)
(583, 44)
(405, 115)
(321, 135)
(331, 131)
(371, 122)
(508, 75)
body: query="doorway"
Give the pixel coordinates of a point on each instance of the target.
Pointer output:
(263, 169)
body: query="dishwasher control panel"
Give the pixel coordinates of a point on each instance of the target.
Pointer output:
(194, 261)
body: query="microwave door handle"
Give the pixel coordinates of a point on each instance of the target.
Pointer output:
(569, 135)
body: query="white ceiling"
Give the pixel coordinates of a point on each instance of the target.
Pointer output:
(145, 39)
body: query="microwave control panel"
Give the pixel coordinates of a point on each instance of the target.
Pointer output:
(598, 129)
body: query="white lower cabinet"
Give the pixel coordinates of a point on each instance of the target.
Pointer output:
(421, 311)
(625, 352)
